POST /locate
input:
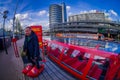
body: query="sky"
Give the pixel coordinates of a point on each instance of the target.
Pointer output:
(36, 12)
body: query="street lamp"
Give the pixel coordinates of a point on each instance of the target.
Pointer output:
(15, 18)
(4, 16)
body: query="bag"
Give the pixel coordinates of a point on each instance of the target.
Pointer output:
(22, 53)
(24, 56)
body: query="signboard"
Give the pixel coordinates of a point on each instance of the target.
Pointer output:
(38, 32)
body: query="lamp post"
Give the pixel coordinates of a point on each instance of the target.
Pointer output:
(14, 39)
(15, 18)
(4, 16)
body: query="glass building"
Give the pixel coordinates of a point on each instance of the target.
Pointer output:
(57, 13)
(64, 14)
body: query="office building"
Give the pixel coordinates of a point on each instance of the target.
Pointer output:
(57, 13)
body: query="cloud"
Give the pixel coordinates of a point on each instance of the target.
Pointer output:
(22, 16)
(111, 15)
(113, 12)
(45, 24)
(107, 14)
(68, 8)
(93, 11)
(41, 13)
(69, 13)
(47, 14)
(32, 18)
(83, 12)
(89, 11)
(2, 9)
(5, 1)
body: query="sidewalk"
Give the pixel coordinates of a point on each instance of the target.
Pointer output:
(10, 66)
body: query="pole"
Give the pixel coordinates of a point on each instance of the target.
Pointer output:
(14, 39)
(13, 27)
(4, 16)
(14, 18)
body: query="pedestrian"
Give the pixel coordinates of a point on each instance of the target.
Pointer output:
(31, 47)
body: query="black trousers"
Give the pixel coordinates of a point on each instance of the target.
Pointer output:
(34, 61)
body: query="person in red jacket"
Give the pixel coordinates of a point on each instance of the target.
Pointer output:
(113, 69)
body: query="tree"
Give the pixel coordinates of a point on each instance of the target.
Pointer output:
(18, 27)
(101, 30)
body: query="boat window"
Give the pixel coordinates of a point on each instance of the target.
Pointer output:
(65, 51)
(87, 55)
(97, 58)
(75, 53)
(54, 46)
(68, 51)
(60, 48)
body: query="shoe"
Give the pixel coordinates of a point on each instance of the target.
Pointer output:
(35, 71)
(27, 69)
